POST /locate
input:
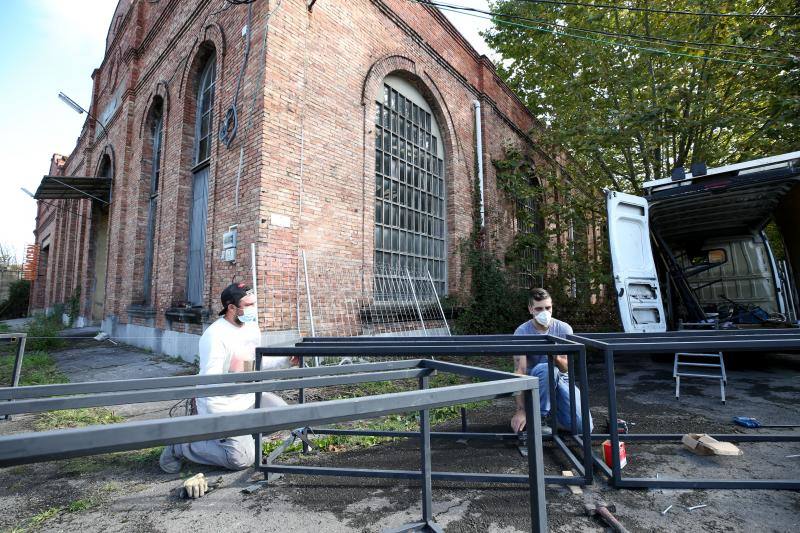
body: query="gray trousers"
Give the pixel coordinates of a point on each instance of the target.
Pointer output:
(233, 453)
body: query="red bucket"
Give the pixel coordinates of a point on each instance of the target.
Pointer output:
(623, 456)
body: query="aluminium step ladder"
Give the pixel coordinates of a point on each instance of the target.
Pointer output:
(690, 365)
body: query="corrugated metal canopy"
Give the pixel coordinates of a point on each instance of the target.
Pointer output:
(74, 187)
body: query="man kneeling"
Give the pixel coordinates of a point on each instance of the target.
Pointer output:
(540, 306)
(227, 345)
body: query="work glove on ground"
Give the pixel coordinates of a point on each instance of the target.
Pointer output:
(195, 486)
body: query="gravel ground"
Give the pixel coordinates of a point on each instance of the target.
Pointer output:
(128, 492)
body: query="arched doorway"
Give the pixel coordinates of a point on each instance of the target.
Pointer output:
(99, 249)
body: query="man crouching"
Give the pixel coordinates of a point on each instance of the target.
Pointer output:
(227, 345)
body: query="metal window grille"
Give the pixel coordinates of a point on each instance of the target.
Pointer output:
(529, 222)
(409, 194)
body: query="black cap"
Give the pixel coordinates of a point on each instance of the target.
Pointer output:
(233, 294)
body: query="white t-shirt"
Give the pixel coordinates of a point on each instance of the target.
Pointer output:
(221, 342)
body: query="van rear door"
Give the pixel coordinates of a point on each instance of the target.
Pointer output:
(635, 277)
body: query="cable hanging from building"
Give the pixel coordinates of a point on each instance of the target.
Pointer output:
(498, 19)
(665, 11)
(230, 124)
(698, 45)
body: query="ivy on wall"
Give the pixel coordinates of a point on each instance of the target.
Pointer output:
(559, 244)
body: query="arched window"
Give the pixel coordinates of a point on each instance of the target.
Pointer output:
(156, 131)
(530, 225)
(409, 189)
(204, 120)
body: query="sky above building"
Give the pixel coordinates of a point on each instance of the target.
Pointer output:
(51, 46)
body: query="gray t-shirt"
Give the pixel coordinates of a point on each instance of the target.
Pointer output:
(557, 329)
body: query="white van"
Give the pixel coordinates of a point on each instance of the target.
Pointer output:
(694, 250)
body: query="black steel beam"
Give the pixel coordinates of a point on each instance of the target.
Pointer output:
(36, 447)
(91, 387)
(463, 477)
(428, 349)
(40, 405)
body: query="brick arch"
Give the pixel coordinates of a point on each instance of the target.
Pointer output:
(108, 151)
(382, 68)
(161, 90)
(423, 81)
(211, 37)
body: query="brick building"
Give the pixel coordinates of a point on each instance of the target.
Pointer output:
(356, 142)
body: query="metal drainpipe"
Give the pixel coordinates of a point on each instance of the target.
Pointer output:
(479, 149)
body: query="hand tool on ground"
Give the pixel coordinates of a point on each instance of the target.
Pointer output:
(750, 422)
(604, 511)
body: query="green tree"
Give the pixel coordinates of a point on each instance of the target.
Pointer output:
(627, 113)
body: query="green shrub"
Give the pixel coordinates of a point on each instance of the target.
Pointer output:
(38, 368)
(16, 305)
(43, 332)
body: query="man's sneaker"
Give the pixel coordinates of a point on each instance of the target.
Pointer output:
(171, 460)
(546, 430)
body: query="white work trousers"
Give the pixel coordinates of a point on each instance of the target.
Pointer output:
(233, 453)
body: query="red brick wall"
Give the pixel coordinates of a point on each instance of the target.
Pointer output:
(306, 140)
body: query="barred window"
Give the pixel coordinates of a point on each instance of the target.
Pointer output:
(409, 190)
(530, 223)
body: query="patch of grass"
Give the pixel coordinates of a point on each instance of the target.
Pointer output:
(38, 368)
(111, 486)
(73, 418)
(4, 328)
(80, 505)
(43, 333)
(394, 422)
(132, 460)
(43, 516)
(36, 521)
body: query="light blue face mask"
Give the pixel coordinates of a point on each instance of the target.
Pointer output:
(249, 314)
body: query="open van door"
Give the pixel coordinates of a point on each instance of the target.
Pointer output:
(635, 277)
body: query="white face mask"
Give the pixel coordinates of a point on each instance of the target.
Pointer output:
(249, 314)
(544, 318)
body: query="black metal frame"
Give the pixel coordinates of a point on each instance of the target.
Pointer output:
(612, 344)
(19, 338)
(453, 346)
(36, 447)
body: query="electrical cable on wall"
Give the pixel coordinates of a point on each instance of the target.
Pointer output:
(230, 124)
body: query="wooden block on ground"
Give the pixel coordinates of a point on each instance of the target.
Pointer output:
(575, 489)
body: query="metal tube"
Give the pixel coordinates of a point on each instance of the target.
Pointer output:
(308, 294)
(35, 447)
(586, 430)
(612, 418)
(425, 458)
(416, 302)
(90, 387)
(257, 437)
(18, 360)
(451, 435)
(120, 398)
(573, 405)
(479, 155)
(535, 463)
(438, 302)
(461, 477)
(551, 386)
